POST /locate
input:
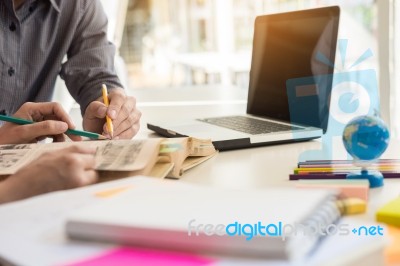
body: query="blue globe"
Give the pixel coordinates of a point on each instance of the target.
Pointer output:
(366, 137)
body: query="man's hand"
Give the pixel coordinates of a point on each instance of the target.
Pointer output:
(51, 121)
(122, 111)
(56, 170)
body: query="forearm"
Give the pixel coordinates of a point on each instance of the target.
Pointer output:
(90, 58)
(10, 190)
(27, 182)
(86, 88)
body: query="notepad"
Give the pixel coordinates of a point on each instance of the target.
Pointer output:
(392, 252)
(167, 214)
(348, 188)
(130, 256)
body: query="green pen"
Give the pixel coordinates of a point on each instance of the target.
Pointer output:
(21, 121)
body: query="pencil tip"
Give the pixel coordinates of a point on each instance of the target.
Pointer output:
(102, 137)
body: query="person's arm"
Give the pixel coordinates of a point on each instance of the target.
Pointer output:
(90, 64)
(51, 121)
(57, 170)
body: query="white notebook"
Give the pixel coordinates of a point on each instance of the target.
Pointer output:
(174, 215)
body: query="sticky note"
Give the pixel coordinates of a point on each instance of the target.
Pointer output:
(390, 213)
(348, 188)
(351, 206)
(135, 256)
(392, 252)
(168, 147)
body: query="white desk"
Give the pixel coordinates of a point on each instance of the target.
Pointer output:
(247, 168)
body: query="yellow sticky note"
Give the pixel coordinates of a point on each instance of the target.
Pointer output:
(390, 213)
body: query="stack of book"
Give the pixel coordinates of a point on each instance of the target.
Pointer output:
(338, 169)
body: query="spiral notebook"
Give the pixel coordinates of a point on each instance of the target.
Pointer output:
(177, 216)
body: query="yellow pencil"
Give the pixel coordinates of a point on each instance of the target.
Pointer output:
(110, 127)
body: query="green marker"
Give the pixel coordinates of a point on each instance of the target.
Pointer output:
(21, 121)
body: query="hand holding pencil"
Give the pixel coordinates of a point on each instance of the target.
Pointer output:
(50, 118)
(121, 110)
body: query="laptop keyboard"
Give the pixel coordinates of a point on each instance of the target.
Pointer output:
(248, 125)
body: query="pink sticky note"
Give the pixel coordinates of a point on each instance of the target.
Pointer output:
(134, 256)
(346, 190)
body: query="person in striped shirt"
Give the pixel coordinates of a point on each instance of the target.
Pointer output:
(43, 39)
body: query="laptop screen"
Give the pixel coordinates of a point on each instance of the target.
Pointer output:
(288, 76)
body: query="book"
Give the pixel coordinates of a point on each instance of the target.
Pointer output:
(179, 216)
(313, 176)
(156, 157)
(338, 169)
(334, 163)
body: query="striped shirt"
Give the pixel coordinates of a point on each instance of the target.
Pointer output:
(35, 39)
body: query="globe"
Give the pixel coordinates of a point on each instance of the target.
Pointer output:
(366, 138)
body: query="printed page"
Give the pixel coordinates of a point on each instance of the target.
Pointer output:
(15, 156)
(116, 155)
(127, 155)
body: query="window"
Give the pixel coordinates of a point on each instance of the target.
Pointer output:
(394, 67)
(183, 42)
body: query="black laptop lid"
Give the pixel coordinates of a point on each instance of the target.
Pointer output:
(285, 61)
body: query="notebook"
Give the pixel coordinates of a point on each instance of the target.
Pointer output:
(289, 89)
(178, 216)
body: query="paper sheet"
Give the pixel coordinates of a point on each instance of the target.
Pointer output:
(117, 155)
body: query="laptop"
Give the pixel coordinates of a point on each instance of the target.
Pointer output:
(289, 85)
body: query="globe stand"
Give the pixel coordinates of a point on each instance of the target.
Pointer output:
(375, 178)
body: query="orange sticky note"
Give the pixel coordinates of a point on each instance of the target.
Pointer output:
(392, 252)
(108, 193)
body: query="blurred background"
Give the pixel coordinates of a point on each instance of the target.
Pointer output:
(197, 42)
(180, 43)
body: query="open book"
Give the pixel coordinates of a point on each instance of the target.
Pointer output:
(156, 157)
